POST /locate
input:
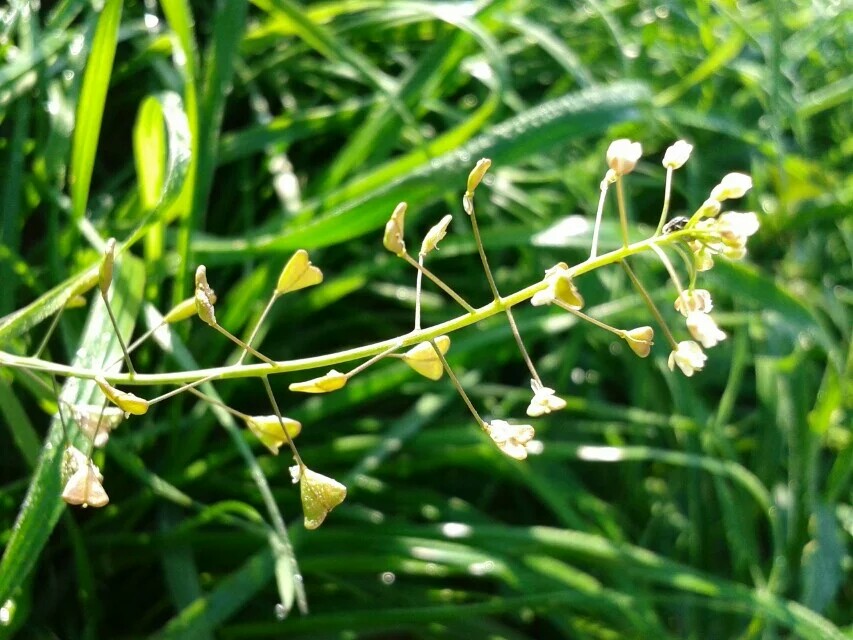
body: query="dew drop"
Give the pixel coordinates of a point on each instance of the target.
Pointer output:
(7, 612)
(388, 577)
(280, 611)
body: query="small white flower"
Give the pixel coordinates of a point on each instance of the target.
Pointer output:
(622, 155)
(695, 300)
(735, 227)
(83, 486)
(544, 401)
(704, 329)
(560, 287)
(677, 155)
(733, 185)
(511, 438)
(688, 356)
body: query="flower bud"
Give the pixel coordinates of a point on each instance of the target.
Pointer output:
(622, 156)
(204, 297)
(477, 174)
(435, 235)
(733, 185)
(319, 494)
(693, 300)
(395, 230)
(83, 481)
(677, 155)
(269, 430)
(511, 438)
(332, 381)
(125, 401)
(688, 356)
(297, 274)
(709, 208)
(423, 358)
(105, 273)
(640, 340)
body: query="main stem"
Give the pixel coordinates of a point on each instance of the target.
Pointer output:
(324, 361)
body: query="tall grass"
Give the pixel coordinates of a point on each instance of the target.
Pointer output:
(231, 133)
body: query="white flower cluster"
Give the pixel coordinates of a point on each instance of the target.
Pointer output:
(695, 305)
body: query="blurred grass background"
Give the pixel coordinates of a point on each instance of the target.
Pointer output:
(230, 133)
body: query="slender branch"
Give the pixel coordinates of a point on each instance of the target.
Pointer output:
(590, 319)
(329, 360)
(457, 384)
(521, 346)
(118, 335)
(277, 412)
(623, 213)
(429, 274)
(257, 327)
(418, 287)
(593, 252)
(650, 304)
(239, 342)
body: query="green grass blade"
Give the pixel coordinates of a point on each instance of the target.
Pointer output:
(90, 110)
(41, 509)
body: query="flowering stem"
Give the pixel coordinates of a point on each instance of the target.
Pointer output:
(494, 287)
(418, 287)
(650, 304)
(277, 412)
(457, 384)
(327, 360)
(429, 274)
(598, 214)
(257, 327)
(666, 195)
(583, 316)
(623, 214)
(53, 324)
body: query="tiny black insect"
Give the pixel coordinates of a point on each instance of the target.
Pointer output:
(676, 224)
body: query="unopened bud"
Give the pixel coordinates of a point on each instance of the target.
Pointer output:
(204, 297)
(105, 273)
(394, 231)
(622, 155)
(435, 235)
(477, 174)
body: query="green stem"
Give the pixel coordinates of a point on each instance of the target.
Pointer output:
(623, 213)
(650, 304)
(458, 385)
(429, 274)
(593, 252)
(329, 360)
(590, 319)
(277, 412)
(130, 368)
(257, 327)
(666, 195)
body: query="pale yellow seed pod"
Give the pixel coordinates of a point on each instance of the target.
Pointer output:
(423, 358)
(127, 402)
(332, 381)
(75, 302)
(640, 340)
(105, 273)
(186, 309)
(395, 231)
(298, 273)
(270, 432)
(319, 494)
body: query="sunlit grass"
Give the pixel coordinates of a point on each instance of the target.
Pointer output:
(233, 133)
